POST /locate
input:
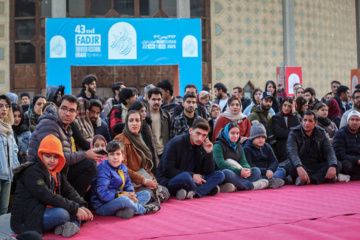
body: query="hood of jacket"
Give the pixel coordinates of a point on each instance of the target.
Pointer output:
(51, 93)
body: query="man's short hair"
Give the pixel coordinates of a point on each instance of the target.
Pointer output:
(25, 94)
(189, 95)
(311, 113)
(166, 84)
(6, 98)
(341, 89)
(335, 81)
(148, 87)
(355, 91)
(191, 86)
(310, 90)
(202, 124)
(239, 89)
(95, 103)
(357, 86)
(88, 79)
(126, 93)
(114, 146)
(220, 86)
(154, 91)
(116, 86)
(206, 88)
(69, 98)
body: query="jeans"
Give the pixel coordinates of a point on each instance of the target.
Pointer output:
(5, 187)
(185, 181)
(279, 173)
(352, 169)
(240, 182)
(57, 216)
(81, 174)
(110, 208)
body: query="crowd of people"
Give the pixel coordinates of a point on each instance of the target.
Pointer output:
(64, 158)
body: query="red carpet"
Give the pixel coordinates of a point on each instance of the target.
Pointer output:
(328, 211)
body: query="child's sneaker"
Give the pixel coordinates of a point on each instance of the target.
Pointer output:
(152, 207)
(260, 184)
(181, 194)
(227, 188)
(67, 230)
(276, 183)
(214, 191)
(125, 213)
(191, 195)
(343, 178)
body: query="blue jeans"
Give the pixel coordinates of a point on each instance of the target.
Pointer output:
(57, 216)
(240, 182)
(5, 187)
(185, 180)
(279, 173)
(110, 208)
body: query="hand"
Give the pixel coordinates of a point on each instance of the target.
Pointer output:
(303, 175)
(151, 184)
(89, 214)
(243, 139)
(331, 173)
(92, 155)
(130, 195)
(331, 141)
(27, 154)
(269, 174)
(358, 162)
(208, 146)
(82, 215)
(293, 108)
(198, 179)
(245, 172)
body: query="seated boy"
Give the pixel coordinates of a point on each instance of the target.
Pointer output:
(44, 199)
(111, 191)
(260, 154)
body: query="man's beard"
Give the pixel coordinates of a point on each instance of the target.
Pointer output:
(90, 90)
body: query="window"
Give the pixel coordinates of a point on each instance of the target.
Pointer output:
(248, 89)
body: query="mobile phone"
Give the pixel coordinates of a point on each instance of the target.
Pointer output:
(101, 152)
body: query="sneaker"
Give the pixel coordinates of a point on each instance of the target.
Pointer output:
(343, 178)
(152, 207)
(261, 184)
(181, 194)
(191, 195)
(276, 183)
(214, 191)
(69, 229)
(125, 213)
(227, 188)
(59, 229)
(298, 182)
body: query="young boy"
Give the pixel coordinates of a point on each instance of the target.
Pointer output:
(111, 191)
(260, 154)
(44, 199)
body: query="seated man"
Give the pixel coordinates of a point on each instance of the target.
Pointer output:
(347, 146)
(311, 153)
(187, 166)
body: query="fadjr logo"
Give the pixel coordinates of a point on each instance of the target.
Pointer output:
(57, 47)
(122, 41)
(189, 46)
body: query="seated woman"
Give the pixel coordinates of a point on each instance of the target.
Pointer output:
(138, 158)
(301, 106)
(255, 101)
(32, 116)
(233, 114)
(214, 114)
(282, 122)
(21, 132)
(230, 158)
(334, 113)
(330, 127)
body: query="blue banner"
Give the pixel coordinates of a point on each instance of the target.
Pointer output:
(121, 42)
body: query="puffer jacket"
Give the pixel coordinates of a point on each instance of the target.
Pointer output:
(23, 141)
(295, 146)
(265, 115)
(347, 145)
(50, 123)
(106, 185)
(8, 156)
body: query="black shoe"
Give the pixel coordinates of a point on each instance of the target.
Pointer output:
(214, 191)
(152, 207)
(288, 180)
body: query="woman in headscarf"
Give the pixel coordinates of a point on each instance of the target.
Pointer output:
(203, 99)
(8, 152)
(233, 113)
(32, 116)
(255, 101)
(138, 158)
(334, 113)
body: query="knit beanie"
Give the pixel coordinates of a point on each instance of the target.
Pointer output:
(352, 113)
(257, 130)
(51, 144)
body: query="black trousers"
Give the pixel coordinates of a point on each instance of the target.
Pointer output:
(81, 174)
(352, 169)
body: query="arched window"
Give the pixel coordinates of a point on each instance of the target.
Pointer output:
(248, 89)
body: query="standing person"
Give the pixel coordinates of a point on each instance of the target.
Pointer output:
(214, 114)
(21, 132)
(32, 116)
(203, 99)
(230, 158)
(115, 88)
(88, 90)
(187, 166)
(54, 93)
(144, 99)
(44, 199)
(281, 91)
(8, 152)
(356, 107)
(282, 122)
(302, 105)
(310, 95)
(342, 98)
(220, 92)
(321, 109)
(167, 94)
(334, 86)
(138, 158)
(270, 86)
(255, 101)
(238, 91)
(233, 114)
(160, 120)
(25, 101)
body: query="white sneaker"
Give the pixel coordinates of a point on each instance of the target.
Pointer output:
(227, 188)
(343, 178)
(261, 184)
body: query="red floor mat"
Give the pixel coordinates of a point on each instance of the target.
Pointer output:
(289, 212)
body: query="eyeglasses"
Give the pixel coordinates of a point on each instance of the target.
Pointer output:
(65, 110)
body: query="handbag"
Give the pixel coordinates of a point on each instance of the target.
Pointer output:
(233, 163)
(143, 173)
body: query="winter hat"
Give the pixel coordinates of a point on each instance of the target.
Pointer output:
(25, 94)
(13, 97)
(257, 130)
(51, 144)
(352, 113)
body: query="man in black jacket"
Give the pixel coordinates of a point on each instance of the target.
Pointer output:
(88, 87)
(99, 125)
(311, 153)
(187, 166)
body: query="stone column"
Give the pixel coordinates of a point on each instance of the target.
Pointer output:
(4, 46)
(289, 33)
(357, 9)
(58, 9)
(183, 8)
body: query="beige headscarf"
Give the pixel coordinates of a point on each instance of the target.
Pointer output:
(5, 126)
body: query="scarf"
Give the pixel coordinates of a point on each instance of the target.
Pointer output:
(20, 129)
(120, 189)
(238, 118)
(5, 125)
(324, 121)
(33, 119)
(288, 116)
(334, 109)
(140, 146)
(225, 134)
(201, 95)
